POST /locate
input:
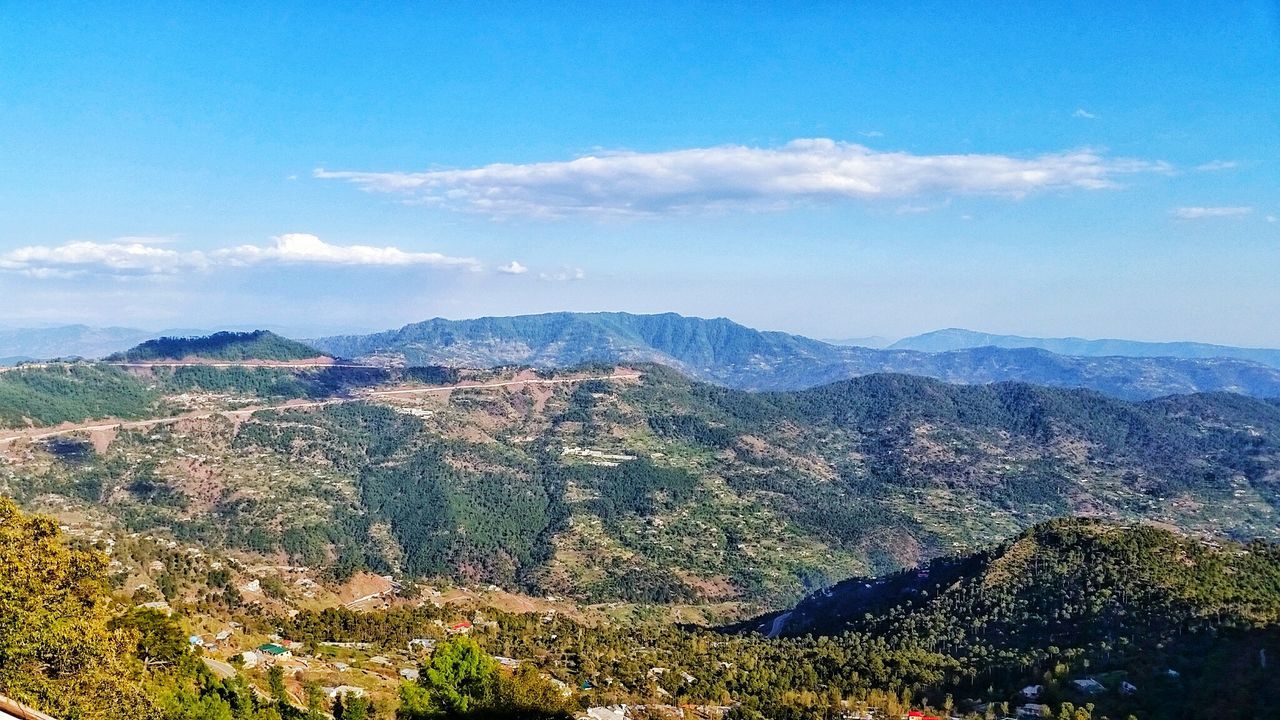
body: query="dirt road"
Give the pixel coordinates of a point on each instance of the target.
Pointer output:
(10, 436)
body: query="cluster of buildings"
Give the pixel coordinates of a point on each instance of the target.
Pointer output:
(1085, 686)
(664, 712)
(211, 642)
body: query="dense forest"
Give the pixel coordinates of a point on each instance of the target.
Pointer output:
(55, 394)
(224, 346)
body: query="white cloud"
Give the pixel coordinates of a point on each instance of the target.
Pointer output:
(117, 258)
(565, 274)
(137, 257)
(1272, 218)
(1196, 213)
(872, 134)
(1082, 113)
(304, 248)
(1218, 165)
(700, 179)
(513, 268)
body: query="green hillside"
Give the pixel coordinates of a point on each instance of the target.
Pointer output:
(1175, 617)
(41, 396)
(223, 346)
(55, 394)
(666, 490)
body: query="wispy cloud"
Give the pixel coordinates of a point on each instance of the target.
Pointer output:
(125, 256)
(565, 274)
(1082, 113)
(1196, 213)
(701, 179)
(1217, 165)
(303, 248)
(513, 268)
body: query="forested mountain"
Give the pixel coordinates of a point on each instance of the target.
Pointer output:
(720, 347)
(221, 346)
(657, 489)
(730, 354)
(1176, 618)
(958, 339)
(43, 396)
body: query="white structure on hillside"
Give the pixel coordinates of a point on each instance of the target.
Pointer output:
(1089, 686)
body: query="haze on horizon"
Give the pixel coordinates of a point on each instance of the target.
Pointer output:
(832, 171)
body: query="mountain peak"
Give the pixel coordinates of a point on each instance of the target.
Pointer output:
(223, 346)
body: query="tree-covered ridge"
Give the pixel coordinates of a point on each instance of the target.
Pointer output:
(55, 393)
(1077, 598)
(61, 393)
(1068, 580)
(1175, 442)
(221, 346)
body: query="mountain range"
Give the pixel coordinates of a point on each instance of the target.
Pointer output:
(19, 344)
(726, 353)
(958, 339)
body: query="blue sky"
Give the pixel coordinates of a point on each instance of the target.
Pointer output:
(834, 169)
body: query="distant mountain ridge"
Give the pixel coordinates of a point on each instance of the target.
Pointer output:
(724, 352)
(695, 345)
(64, 341)
(959, 339)
(869, 341)
(68, 341)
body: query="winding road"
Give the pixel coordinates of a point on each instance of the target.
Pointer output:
(244, 413)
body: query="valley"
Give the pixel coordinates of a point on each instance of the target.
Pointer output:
(466, 361)
(311, 504)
